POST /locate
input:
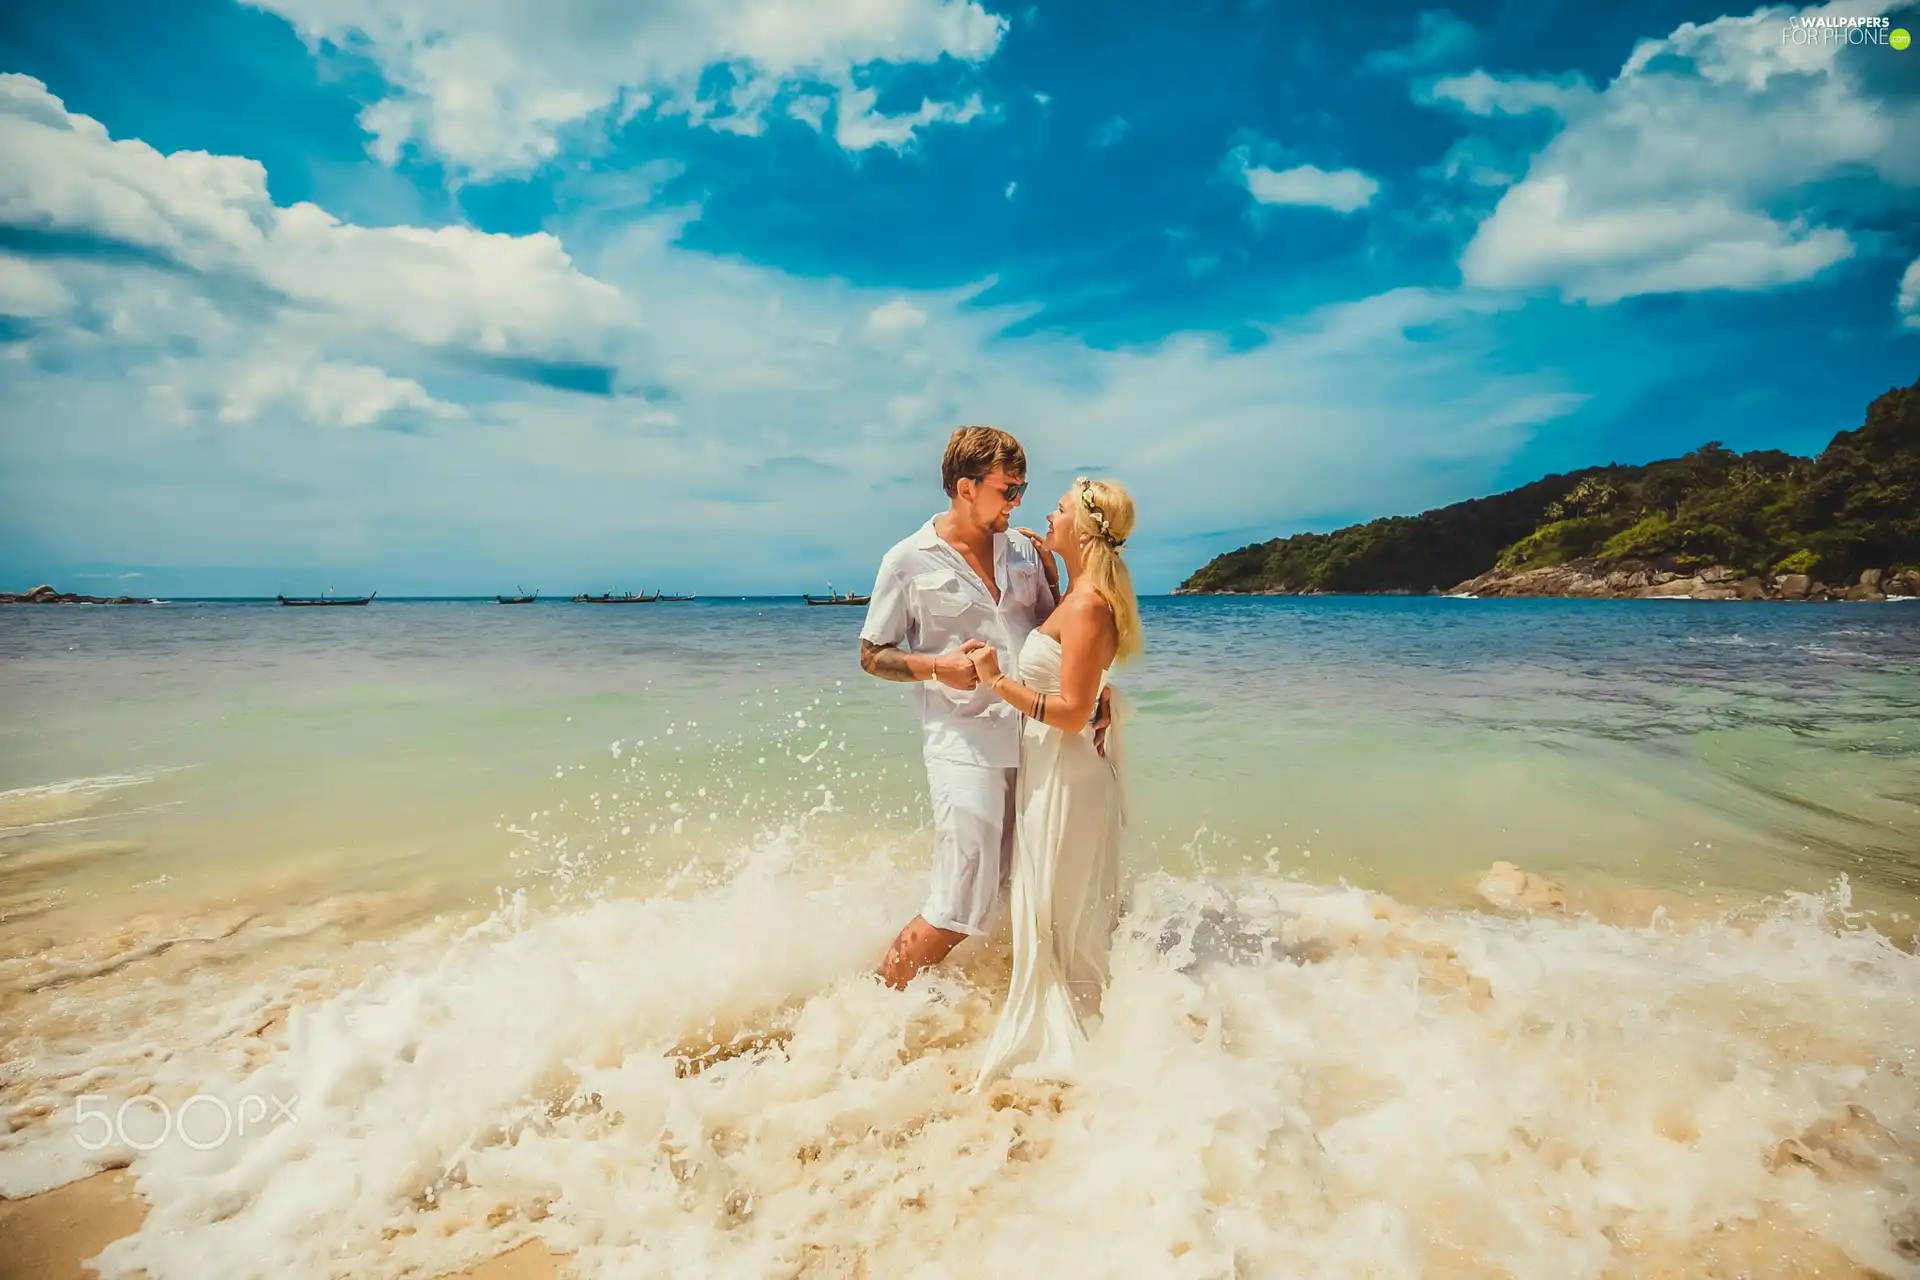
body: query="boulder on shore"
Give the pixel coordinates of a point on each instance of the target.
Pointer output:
(45, 594)
(1509, 888)
(1639, 580)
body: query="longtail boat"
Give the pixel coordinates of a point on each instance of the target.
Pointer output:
(629, 598)
(326, 601)
(518, 599)
(671, 599)
(849, 598)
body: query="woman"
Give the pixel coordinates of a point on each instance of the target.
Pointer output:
(1066, 862)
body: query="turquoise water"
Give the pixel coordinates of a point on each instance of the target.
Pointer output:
(1403, 743)
(558, 920)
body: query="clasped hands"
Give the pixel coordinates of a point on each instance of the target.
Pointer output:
(976, 662)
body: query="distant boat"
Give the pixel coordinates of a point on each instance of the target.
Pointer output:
(671, 599)
(326, 601)
(629, 598)
(831, 598)
(518, 599)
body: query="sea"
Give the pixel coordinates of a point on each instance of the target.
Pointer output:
(1528, 938)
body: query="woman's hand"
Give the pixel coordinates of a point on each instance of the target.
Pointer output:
(1047, 564)
(986, 661)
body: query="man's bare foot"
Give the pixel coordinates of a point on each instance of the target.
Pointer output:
(919, 945)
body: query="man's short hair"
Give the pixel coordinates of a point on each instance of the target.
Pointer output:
(974, 452)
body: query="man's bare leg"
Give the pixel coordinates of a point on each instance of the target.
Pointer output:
(919, 945)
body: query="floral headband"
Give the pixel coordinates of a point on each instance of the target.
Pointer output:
(1098, 516)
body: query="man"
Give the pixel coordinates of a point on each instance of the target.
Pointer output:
(960, 578)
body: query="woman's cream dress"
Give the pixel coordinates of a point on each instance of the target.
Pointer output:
(1066, 882)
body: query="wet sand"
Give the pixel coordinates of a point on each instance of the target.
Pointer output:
(52, 1235)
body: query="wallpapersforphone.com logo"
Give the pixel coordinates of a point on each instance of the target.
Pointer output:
(144, 1122)
(1827, 28)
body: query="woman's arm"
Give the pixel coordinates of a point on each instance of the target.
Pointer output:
(1049, 569)
(1088, 639)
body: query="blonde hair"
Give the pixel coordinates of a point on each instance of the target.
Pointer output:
(1105, 511)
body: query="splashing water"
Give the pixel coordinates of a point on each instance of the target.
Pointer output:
(1288, 1078)
(654, 1044)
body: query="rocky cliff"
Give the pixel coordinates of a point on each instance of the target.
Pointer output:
(1713, 524)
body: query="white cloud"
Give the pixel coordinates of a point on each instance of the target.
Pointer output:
(811, 110)
(1381, 404)
(1377, 405)
(1908, 303)
(1697, 241)
(326, 394)
(1481, 94)
(64, 174)
(896, 317)
(1342, 190)
(490, 86)
(1012, 189)
(1672, 177)
(858, 127)
(446, 287)
(1478, 162)
(30, 290)
(1440, 38)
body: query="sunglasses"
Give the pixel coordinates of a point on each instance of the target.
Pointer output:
(1011, 491)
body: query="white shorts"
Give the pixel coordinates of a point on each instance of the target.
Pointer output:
(972, 843)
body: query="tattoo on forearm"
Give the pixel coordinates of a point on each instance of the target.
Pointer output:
(885, 661)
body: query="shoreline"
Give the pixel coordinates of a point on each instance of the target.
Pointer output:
(46, 595)
(1584, 580)
(1514, 595)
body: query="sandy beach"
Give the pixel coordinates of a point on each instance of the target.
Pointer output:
(52, 1235)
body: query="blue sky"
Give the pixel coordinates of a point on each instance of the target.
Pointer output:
(453, 295)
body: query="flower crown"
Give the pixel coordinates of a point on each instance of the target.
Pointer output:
(1098, 516)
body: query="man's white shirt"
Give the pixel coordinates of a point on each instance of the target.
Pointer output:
(928, 599)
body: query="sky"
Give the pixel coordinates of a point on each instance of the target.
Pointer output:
(459, 296)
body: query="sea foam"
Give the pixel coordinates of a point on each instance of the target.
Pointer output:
(1288, 1078)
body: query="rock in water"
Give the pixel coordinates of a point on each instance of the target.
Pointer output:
(1511, 889)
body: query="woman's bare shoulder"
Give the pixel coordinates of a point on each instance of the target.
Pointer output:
(1086, 609)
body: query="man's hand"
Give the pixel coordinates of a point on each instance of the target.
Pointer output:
(1102, 718)
(955, 670)
(985, 659)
